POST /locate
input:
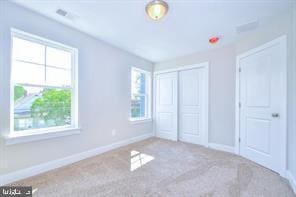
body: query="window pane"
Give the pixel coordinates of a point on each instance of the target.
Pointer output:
(138, 107)
(28, 73)
(58, 58)
(138, 82)
(143, 83)
(142, 106)
(135, 109)
(36, 108)
(58, 77)
(136, 79)
(28, 51)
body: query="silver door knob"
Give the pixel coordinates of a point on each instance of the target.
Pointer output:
(275, 115)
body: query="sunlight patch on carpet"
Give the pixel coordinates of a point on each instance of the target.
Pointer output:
(139, 159)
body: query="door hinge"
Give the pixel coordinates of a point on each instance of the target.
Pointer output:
(240, 69)
(239, 140)
(239, 104)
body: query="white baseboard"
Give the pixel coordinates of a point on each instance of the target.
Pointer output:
(230, 149)
(41, 168)
(292, 180)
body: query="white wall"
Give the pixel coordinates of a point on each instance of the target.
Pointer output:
(104, 91)
(221, 90)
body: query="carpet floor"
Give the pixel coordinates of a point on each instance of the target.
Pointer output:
(157, 167)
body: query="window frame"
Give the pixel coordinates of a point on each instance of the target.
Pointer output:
(73, 87)
(148, 95)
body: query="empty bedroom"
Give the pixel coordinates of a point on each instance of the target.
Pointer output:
(168, 98)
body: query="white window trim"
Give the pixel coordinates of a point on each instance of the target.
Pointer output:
(148, 95)
(45, 133)
(35, 135)
(134, 121)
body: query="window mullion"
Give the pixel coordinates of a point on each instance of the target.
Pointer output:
(28, 62)
(44, 86)
(56, 67)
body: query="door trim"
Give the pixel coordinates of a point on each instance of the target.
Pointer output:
(188, 67)
(204, 65)
(282, 40)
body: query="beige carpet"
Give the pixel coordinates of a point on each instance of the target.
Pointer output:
(157, 167)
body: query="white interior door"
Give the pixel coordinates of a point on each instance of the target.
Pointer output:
(166, 106)
(192, 97)
(263, 105)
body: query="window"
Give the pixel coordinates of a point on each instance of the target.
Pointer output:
(43, 84)
(140, 94)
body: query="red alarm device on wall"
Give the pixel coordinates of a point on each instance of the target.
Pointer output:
(214, 40)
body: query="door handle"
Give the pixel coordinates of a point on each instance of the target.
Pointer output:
(275, 115)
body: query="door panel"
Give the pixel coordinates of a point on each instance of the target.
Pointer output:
(166, 106)
(166, 90)
(262, 81)
(191, 105)
(166, 121)
(190, 124)
(258, 135)
(259, 78)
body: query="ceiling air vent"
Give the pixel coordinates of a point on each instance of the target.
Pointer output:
(61, 12)
(66, 14)
(247, 27)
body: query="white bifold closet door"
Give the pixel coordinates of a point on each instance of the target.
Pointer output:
(181, 105)
(192, 106)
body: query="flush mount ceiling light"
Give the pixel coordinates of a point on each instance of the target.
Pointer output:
(157, 9)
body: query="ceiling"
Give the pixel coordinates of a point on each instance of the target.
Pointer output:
(184, 30)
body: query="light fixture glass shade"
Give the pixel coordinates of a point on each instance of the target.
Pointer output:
(157, 9)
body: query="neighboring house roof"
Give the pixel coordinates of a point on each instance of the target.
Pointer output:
(23, 106)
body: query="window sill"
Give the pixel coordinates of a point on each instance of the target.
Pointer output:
(30, 137)
(140, 120)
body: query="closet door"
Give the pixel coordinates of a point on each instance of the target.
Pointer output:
(166, 106)
(192, 106)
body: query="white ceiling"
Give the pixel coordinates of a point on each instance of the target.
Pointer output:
(185, 29)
